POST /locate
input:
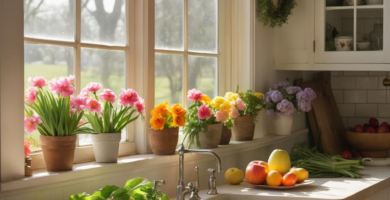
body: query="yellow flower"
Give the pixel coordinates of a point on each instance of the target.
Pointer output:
(225, 106)
(178, 120)
(217, 101)
(259, 95)
(205, 99)
(161, 110)
(157, 122)
(177, 109)
(231, 96)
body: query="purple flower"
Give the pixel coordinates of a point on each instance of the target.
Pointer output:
(285, 107)
(293, 89)
(272, 114)
(304, 105)
(280, 85)
(276, 96)
(302, 95)
(268, 96)
(310, 93)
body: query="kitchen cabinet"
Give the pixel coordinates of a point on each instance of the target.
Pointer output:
(321, 36)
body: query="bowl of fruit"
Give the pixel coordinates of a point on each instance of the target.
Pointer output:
(371, 139)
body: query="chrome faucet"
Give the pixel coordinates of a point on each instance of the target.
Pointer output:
(181, 189)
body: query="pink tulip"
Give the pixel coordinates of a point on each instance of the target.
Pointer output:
(194, 95)
(93, 87)
(221, 116)
(79, 102)
(140, 105)
(63, 86)
(204, 112)
(234, 113)
(38, 81)
(93, 105)
(128, 97)
(30, 95)
(107, 95)
(240, 104)
(84, 93)
(27, 148)
(81, 122)
(31, 123)
(73, 111)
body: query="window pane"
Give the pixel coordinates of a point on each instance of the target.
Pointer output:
(49, 19)
(106, 67)
(47, 61)
(169, 24)
(169, 78)
(202, 74)
(104, 22)
(202, 25)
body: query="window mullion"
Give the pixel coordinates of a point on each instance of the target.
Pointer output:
(185, 59)
(77, 50)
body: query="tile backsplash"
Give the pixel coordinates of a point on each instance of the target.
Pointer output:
(360, 95)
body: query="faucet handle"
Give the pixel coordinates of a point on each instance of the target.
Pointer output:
(212, 182)
(158, 183)
(212, 171)
(197, 186)
(190, 186)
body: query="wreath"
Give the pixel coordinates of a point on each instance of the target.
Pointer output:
(273, 16)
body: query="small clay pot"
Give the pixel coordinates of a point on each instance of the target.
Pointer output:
(210, 139)
(58, 152)
(163, 142)
(226, 136)
(28, 171)
(244, 128)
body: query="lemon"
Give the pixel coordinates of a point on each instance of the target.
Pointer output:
(234, 176)
(302, 174)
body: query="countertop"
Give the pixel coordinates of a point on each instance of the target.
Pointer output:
(374, 180)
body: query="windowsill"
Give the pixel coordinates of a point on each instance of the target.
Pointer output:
(92, 169)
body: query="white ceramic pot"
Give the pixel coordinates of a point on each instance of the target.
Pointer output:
(343, 43)
(106, 147)
(283, 125)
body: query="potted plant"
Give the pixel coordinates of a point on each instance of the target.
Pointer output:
(282, 100)
(27, 160)
(201, 128)
(165, 122)
(50, 112)
(248, 105)
(108, 121)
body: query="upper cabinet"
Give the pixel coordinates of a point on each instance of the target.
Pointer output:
(346, 35)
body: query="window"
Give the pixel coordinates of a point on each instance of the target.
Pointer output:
(85, 38)
(186, 49)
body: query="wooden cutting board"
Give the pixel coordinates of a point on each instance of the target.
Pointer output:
(325, 121)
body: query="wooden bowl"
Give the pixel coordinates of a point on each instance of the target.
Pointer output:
(372, 145)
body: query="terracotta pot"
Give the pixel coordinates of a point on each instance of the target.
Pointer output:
(28, 171)
(106, 147)
(226, 136)
(58, 152)
(163, 142)
(283, 125)
(210, 139)
(244, 128)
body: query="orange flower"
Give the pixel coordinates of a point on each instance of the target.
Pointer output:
(205, 99)
(157, 122)
(161, 110)
(178, 110)
(178, 120)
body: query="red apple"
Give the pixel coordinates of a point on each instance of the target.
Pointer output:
(383, 129)
(365, 126)
(357, 155)
(346, 154)
(373, 122)
(255, 173)
(384, 124)
(358, 129)
(370, 130)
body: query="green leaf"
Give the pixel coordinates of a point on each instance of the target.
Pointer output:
(139, 196)
(132, 183)
(120, 194)
(78, 196)
(96, 196)
(164, 197)
(107, 191)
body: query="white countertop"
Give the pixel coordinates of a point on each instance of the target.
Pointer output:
(374, 180)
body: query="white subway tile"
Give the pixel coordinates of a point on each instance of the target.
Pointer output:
(336, 73)
(352, 122)
(366, 82)
(380, 83)
(342, 82)
(346, 110)
(376, 96)
(355, 73)
(384, 110)
(377, 73)
(366, 110)
(355, 96)
(338, 96)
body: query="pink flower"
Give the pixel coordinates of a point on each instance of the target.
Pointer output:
(93, 105)
(240, 104)
(31, 123)
(221, 116)
(79, 102)
(73, 111)
(128, 97)
(63, 86)
(27, 148)
(107, 95)
(84, 93)
(81, 122)
(93, 87)
(234, 113)
(140, 105)
(194, 95)
(204, 112)
(30, 95)
(38, 81)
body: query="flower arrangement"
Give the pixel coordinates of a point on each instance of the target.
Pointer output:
(102, 115)
(50, 111)
(247, 103)
(164, 116)
(225, 111)
(283, 99)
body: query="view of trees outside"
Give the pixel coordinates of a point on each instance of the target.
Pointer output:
(202, 37)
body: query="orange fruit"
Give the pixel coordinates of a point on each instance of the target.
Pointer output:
(289, 179)
(274, 178)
